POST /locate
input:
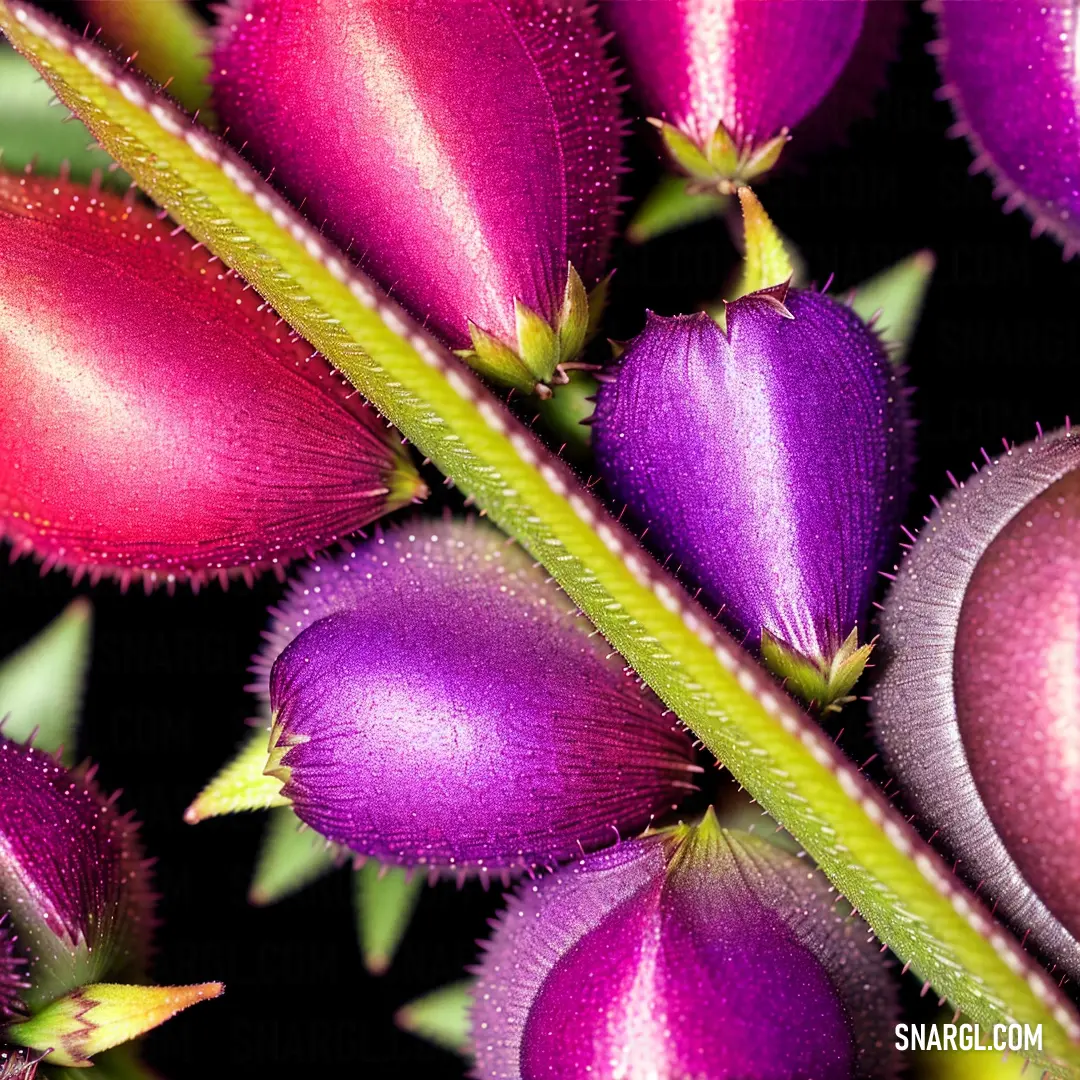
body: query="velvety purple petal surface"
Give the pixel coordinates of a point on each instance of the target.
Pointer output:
(72, 876)
(156, 418)
(722, 962)
(976, 702)
(1010, 71)
(454, 711)
(464, 151)
(755, 66)
(770, 462)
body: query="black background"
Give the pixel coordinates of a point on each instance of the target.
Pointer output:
(997, 350)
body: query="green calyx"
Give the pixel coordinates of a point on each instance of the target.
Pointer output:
(824, 684)
(543, 349)
(243, 784)
(721, 163)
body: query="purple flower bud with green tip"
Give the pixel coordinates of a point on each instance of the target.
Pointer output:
(727, 79)
(769, 461)
(976, 707)
(445, 706)
(467, 153)
(694, 952)
(1010, 72)
(77, 915)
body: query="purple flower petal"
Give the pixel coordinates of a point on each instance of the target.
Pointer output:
(699, 953)
(976, 707)
(466, 153)
(72, 876)
(157, 419)
(1010, 72)
(446, 706)
(771, 461)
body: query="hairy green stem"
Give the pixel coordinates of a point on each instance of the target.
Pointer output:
(901, 887)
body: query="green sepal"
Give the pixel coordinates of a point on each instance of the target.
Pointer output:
(723, 152)
(441, 1017)
(42, 685)
(766, 262)
(538, 344)
(674, 203)
(241, 785)
(899, 294)
(565, 413)
(34, 133)
(291, 858)
(496, 361)
(761, 159)
(685, 152)
(823, 684)
(386, 897)
(96, 1018)
(574, 318)
(598, 301)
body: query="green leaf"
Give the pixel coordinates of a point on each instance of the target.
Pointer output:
(169, 40)
(41, 685)
(673, 204)
(386, 897)
(908, 895)
(290, 859)
(441, 1017)
(241, 785)
(32, 131)
(897, 296)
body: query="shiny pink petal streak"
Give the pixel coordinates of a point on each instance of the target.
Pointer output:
(978, 703)
(465, 151)
(712, 955)
(156, 419)
(755, 66)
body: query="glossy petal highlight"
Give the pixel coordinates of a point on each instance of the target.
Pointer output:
(467, 153)
(699, 953)
(771, 462)
(499, 741)
(157, 420)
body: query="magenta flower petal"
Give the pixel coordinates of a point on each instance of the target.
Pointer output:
(976, 708)
(1010, 71)
(770, 461)
(12, 973)
(157, 419)
(751, 68)
(698, 953)
(452, 710)
(72, 877)
(467, 154)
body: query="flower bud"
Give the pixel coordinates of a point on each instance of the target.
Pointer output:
(976, 707)
(77, 913)
(770, 461)
(1010, 73)
(159, 421)
(727, 80)
(468, 154)
(445, 706)
(692, 952)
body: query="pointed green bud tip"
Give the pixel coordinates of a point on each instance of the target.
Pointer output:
(96, 1018)
(386, 897)
(243, 784)
(892, 301)
(822, 683)
(292, 856)
(767, 263)
(441, 1017)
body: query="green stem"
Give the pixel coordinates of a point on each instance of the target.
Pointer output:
(901, 887)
